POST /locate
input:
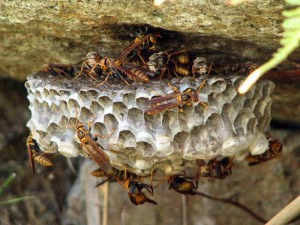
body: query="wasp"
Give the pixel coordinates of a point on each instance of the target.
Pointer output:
(110, 66)
(241, 69)
(58, 69)
(113, 175)
(132, 183)
(222, 168)
(182, 184)
(35, 154)
(181, 64)
(93, 148)
(132, 71)
(139, 46)
(97, 65)
(139, 198)
(90, 64)
(170, 61)
(135, 193)
(274, 150)
(200, 66)
(177, 99)
(215, 169)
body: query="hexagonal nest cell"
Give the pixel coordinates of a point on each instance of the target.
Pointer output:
(230, 125)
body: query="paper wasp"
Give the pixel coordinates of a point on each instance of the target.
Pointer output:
(177, 99)
(90, 63)
(182, 64)
(241, 69)
(139, 198)
(182, 184)
(215, 169)
(274, 150)
(138, 47)
(35, 154)
(134, 186)
(98, 65)
(113, 175)
(93, 149)
(132, 183)
(58, 69)
(223, 168)
(135, 193)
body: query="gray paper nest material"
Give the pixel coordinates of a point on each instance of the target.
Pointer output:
(231, 125)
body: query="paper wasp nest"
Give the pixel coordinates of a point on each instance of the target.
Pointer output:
(231, 125)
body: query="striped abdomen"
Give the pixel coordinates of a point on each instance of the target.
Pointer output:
(41, 158)
(182, 71)
(138, 75)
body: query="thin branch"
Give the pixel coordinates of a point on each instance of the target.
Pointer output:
(105, 190)
(15, 200)
(237, 204)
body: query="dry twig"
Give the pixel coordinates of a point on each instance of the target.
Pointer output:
(291, 211)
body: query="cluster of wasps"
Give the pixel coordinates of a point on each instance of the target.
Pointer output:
(141, 62)
(134, 184)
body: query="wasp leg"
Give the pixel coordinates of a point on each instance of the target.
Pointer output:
(104, 181)
(105, 80)
(81, 70)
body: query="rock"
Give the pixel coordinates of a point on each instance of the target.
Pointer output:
(35, 33)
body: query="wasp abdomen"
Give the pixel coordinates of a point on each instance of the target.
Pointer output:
(41, 159)
(182, 71)
(183, 58)
(139, 75)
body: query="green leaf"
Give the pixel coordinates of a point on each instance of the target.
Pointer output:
(293, 2)
(291, 13)
(292, 23)
(16, 200)
(7, 182)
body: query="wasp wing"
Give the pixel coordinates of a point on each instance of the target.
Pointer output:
(29, 151)
(134, 44)
(159, 108)
(140, 68)
(98, 155)
(164, 98)
(161, 103)
(129, 73)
